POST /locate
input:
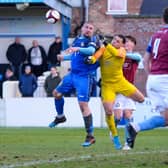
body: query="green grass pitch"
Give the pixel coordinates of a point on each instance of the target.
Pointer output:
(61, 147)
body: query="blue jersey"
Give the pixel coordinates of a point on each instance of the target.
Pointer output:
(77, 59)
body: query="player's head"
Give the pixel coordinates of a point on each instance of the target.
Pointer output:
(118, 41)
(87, 29)
(165, 15)
(130, 43)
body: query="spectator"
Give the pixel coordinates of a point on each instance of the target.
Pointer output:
(37, 58)
(54, 49)
(27, 82)
(16, 55)
(9, 75)
(52, 81)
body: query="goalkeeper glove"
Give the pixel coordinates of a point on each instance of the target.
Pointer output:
(89, 60)
(103, 40)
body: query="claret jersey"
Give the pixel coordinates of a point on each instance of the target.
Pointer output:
(158, 48)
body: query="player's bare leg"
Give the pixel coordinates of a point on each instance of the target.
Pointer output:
(59, 105)
(88, 121)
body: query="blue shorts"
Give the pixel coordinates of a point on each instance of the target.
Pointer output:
(82, 85)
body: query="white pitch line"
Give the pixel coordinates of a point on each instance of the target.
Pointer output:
(84, 157)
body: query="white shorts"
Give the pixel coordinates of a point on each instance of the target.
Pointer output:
(157, 91)
(122, 102)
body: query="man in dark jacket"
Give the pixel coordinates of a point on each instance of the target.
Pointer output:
(52, 81)
(37, 58)
(16, 55)
(54, 49)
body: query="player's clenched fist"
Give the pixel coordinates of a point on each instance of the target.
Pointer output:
(90, 60)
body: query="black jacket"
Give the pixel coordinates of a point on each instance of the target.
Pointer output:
(54, 49)
(16, 54)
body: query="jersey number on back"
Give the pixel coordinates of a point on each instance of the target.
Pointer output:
(156, 47)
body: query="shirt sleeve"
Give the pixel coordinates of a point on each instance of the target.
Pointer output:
(149, 47)
(87, 51)
(67, 57)
(99, 53)
(121, 52)
(134, 56)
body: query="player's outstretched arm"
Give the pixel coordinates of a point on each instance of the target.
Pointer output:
(146, 62)
(62, 57)
(121, 52)
(92, 59)
(87, 51)
(134, 56)
(99, 52)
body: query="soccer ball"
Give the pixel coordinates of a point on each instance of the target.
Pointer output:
(52, 16)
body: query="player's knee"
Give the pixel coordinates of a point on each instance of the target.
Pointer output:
(84, 108)
(117, 115)
(128, 115)
(57, 95)
(138, 96)
(142, 100)
(108, 112)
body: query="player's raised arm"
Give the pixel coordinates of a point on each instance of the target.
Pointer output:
(92, 59)
(64, 57)
(134, 56)
(147, 57)
(121, 52)
(99, 53)
(87, 51)
(146, 62)
(116, 48)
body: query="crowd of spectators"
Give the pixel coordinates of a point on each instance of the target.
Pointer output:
(35, 59)
(25, 66)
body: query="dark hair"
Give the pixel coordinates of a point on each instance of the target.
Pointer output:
(131, 38)
(122, 37)
(53, 66)
(9, 68)
(165, 15)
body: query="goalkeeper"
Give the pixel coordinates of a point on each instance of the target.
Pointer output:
(112, 57)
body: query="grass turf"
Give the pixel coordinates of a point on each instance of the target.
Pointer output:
(61, 147)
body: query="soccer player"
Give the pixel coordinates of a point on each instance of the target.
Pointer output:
(112, 57)
(124, 106)
(79, 79)
(156, 65)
